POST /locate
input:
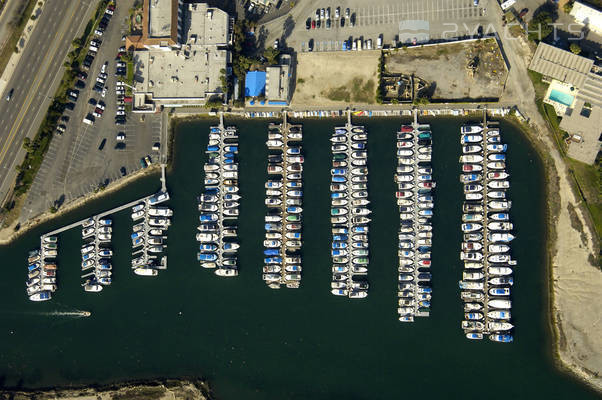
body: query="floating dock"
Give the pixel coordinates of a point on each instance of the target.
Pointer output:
(96, 253)
(349, 211)
(41, 262)
(219, 203)
(486, 226)
(415, 200)
(148, 237)
(284, 200)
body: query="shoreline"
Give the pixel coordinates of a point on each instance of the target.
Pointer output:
(158, 389)
(8, 234)
(559, 256)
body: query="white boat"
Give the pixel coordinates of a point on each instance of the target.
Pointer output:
(498, 184)
(94, 288)
(144, 271)
(471, 149)
(501, 304)
(502, 271)
(496, 194)
(137, 215)
(471, 158)
(206, 237)
(499, 326)
(497, 175)
(499, 314)
(498, 248)
(226, 272)
(274, 143)
(468, 129)
(500, 226)
(499, 205)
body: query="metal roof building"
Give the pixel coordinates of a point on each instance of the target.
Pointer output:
(561, 65)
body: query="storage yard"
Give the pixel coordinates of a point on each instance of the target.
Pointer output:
(479, 70)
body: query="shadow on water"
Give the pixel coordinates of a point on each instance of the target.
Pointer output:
(255, 343)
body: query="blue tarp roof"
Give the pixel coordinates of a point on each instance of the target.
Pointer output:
(254, 83)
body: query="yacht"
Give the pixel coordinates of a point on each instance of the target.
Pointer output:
(226, 272)
(501, 304)
(501, 338)
(145, 271)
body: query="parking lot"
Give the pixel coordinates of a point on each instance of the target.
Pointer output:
(85, 156)
(403, 22)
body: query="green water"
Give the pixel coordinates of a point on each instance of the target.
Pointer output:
(252, 342)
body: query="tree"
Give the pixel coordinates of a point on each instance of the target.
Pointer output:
(568, 7)
(540, 26)
(271, 54)
(575, 48)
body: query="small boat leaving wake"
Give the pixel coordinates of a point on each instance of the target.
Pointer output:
(69, 313)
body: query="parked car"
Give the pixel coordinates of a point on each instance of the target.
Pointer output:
(328, 24)
(337, 12)
(276, 43)
(92, 101)
(523, 12)
(102, 144)
(347, 13)
(65, 118)
(98, 32)
(313, 24)
(308, 23)
(80, 84)
(123, 171)
(120, 136)
(10, 94)
(61, 128)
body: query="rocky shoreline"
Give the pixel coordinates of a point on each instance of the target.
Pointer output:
(188, 389)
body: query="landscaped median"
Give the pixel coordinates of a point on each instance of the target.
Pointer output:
(36, 148)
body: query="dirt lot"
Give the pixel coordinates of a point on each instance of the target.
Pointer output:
(445, 67)
(333, 78)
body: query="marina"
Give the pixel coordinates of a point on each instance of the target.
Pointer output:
(488, 267)
(415, 200)
(96, 252)
(284, 200)
(349, 213)
(217, 233)
(312, 324)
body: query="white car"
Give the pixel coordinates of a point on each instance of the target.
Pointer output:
(98, 32)
(120, 108)
(103, 69)
(104, 92)
(120, 137)
(97, 115)
(120, 113)
(110, 12)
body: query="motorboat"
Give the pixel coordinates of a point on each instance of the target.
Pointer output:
(497, 175)
(471, 149)
(472, 168)
(502, 271)
(226, 272)
(471, 158)
(501, 338)
(497, 205)
(499, 291)
(470, 129)
(499, 326)
(501, 304)
(146, 271)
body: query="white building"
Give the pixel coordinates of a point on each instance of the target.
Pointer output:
(588, 16)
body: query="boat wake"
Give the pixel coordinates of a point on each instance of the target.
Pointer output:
(75, 313)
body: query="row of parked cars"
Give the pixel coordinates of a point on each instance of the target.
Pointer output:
(323, 20)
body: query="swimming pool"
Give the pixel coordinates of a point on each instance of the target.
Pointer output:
(561, 97)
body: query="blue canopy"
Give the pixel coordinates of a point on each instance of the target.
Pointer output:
(254, 83)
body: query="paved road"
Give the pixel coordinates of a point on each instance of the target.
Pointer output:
(9, 14)
(35, 80)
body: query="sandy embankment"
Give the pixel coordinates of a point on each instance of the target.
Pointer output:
(575, 278)
(160, 390)
(9, 234)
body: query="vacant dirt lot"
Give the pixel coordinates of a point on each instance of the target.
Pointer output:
(335, 78)
(446, 68)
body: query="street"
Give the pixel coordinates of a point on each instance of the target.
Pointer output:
(35, 81)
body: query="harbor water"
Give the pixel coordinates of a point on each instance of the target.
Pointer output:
(252, 342)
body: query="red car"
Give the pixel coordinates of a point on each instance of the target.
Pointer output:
(313, 24)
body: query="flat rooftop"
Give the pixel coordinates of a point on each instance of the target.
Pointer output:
(159, 18)
(587, 123)
(179, 74)
(206, 25)
(560, 64)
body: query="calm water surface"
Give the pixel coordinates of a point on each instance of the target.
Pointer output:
(252, 342)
